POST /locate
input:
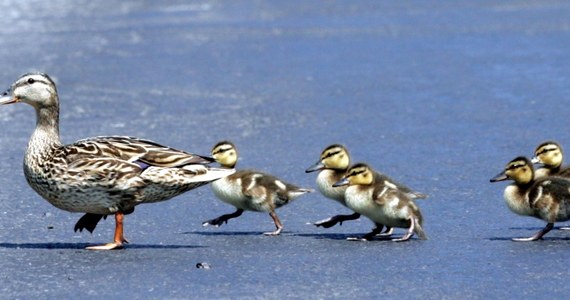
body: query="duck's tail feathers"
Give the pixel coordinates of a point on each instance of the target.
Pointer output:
(203, 173)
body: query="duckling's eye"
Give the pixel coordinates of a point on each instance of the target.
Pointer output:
(31, 80)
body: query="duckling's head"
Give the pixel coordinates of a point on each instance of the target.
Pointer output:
(519, 169)
(35, 89)
(359, 174)
(225, 153)
(334, 157)
(549, 154)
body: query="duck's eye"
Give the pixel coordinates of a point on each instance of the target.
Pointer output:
(31, 80)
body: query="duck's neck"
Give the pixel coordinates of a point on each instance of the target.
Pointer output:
(46, 135)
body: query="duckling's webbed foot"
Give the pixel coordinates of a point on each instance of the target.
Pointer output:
(536, 236)
(369, 236)
(332, 221)
(219, 221)
(278, 225)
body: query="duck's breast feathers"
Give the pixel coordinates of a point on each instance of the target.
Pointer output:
(133, 150)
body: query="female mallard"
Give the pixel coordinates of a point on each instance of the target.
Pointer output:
(546, 198)
(381, 202)
(332, 166)
(102, 175)
(249, 189)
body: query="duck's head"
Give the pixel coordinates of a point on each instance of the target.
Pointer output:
(519, 169)
(549, 154)
(35, 89)
(225, 153)
(359, 174)
(333, 157)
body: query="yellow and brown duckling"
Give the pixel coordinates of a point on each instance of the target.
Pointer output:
(249, 189)
(382, 203)
(551, 156)
(546, 198)
(100, 176)
(332, 166)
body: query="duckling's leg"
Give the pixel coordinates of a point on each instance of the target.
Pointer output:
(388, 232)
(409, 233)
(278, 225)
(332, 221)
(119, 238)
(223, 218)
(369, 236)
(537, 235)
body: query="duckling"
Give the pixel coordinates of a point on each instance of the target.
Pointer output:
(332, 166)
(382, 203)
(249, 189)
(546, 198)
(100, 176)
(550, 155)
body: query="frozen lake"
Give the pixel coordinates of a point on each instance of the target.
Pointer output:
(439, 95)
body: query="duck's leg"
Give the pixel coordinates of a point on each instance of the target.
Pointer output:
(332, 221)
(119, 238)
(278, 225)
(409, 233)
(223, 218)
(537, 235)
(369, 236)
(388, 232)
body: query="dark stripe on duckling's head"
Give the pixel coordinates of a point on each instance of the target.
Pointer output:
(222, 147)
(547, 146)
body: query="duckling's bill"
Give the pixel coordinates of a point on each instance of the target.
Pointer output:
(316, 167)
(500, 177)
(341, 182)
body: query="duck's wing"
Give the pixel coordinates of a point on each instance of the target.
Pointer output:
(134, 150)
(114, 174)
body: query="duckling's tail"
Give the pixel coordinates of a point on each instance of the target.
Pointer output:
(418, 219)
(418, 195)
(419, 230)
(300, 191)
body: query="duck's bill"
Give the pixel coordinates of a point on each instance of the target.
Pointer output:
(7, 100)
(502, 176)
(318, 166)
(341, 182)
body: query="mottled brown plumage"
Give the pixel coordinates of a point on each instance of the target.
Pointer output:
(101, 175)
